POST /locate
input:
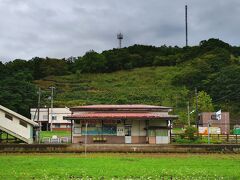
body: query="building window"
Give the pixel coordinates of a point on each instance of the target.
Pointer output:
(54, 117)
(68, 126)
(161, 132)
(77, 130)
(91, 129)
(23, 123)
(57, 125)
(8, 117)
(109, 129)
(151, 132)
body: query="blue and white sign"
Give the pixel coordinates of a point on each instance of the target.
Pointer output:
(219, 115)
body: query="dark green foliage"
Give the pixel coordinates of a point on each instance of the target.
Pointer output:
(208, 45)
(225, 83)
(190, 133)
(199, 69)
(48, 67)
(18, 93)
(92, 62)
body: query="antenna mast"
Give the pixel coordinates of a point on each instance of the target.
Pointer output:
(186, 23)
(120, 38)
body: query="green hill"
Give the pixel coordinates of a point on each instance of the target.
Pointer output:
(150, 85)
(137, 74)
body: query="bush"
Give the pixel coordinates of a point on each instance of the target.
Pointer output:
(190, 133)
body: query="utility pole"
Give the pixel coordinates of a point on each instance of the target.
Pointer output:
(38, 115)
(188, 114)
(52, 89)
(186, 23)
(39, 104)
(196, 94)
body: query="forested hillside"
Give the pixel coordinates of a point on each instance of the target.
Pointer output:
(136, 74)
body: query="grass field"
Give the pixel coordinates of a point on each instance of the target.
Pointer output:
(44, 134)
(119, 166)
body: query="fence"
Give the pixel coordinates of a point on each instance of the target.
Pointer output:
(55, 140)
(214, 138)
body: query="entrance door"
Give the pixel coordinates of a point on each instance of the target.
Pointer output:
(162, 136)
(128, 137)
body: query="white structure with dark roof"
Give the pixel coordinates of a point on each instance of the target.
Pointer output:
(45, 120)
(16, 125)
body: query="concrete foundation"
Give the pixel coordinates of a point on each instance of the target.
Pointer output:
(125, 148)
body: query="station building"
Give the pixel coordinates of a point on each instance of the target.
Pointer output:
(120, 124)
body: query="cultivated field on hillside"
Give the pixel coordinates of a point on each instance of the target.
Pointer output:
(119, 166)
(150, 85)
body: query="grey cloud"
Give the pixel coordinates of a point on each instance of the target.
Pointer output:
(60, 28)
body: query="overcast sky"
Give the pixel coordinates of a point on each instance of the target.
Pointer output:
(64, 28)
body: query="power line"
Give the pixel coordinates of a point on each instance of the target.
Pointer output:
(229, 95)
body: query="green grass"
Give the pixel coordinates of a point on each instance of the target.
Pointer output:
(57, 133)
(119, 166)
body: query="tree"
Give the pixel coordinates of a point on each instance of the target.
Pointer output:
(225, 84)
(18, 93)
(183, 118)
(92, 62)
(204, 102)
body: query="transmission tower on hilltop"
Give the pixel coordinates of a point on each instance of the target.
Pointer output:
(120, 38)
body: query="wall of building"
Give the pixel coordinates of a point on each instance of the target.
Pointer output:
(224, 123)
(139, 133)
(43, 114)
(58, 114)
(15, 126)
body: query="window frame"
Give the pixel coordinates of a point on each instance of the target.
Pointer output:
(23, 123)
(8, 116)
